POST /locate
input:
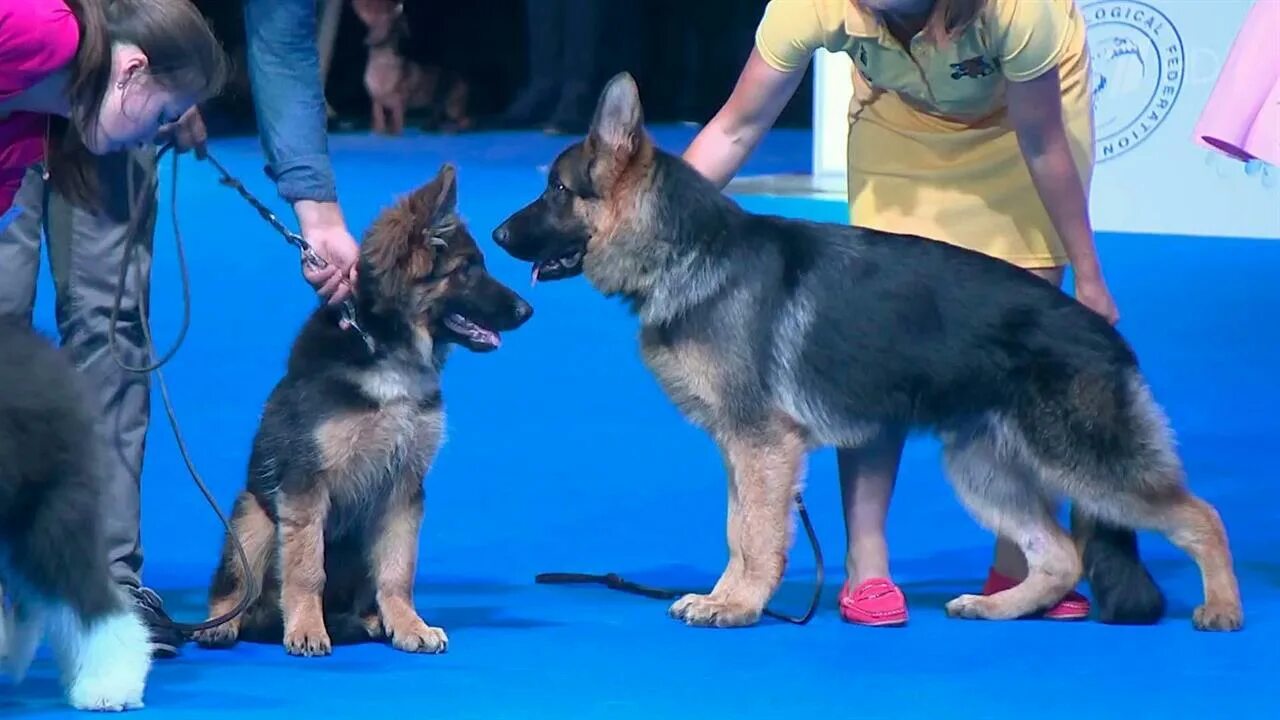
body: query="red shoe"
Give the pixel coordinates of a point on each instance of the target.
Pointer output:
(1072, 607)
(876, 602)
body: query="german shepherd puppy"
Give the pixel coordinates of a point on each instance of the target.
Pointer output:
(53, 558)
(778, 336)
(330, 514)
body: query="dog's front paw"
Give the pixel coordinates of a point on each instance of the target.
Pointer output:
(416, 636)
(308, 639)
(713, 611)
(1220, 617)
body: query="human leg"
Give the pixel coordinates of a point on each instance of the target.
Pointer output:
(20, 249)
(579, 67)
(534, 103)
(86, 248)
(867, 476)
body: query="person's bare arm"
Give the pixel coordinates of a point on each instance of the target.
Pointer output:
(759, 96)
(1035, 110)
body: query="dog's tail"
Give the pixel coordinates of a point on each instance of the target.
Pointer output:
(1123, 590)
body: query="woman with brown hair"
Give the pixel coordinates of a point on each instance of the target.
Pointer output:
(87, 77)
(971, 124)
(85, 88)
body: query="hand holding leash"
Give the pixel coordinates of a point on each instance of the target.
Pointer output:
(309, 256)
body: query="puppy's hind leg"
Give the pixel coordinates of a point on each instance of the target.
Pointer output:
(1005, 497)
(256, 534)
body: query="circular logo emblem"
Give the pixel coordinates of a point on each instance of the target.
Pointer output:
(1137, 63)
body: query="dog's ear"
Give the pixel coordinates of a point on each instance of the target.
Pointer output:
(618, 123)
(437, 206)
(446, 204)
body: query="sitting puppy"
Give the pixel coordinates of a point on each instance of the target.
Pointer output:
(53, 558)
(396, 84)
(330, 514)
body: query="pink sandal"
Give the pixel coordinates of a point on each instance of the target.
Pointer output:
(1072, 607)
(876, 602)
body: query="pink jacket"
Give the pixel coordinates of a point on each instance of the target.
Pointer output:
(37, 37)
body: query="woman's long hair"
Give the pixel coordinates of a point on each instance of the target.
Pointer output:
(182, 55)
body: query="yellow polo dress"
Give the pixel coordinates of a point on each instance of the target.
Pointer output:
(931, 151)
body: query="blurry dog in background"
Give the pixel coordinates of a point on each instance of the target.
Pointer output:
(53, 564)
(329, 518)
(398, 85)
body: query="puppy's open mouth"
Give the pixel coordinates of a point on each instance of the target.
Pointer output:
(557, 268)
(477, 335)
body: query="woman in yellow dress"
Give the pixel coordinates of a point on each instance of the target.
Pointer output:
(971, 124)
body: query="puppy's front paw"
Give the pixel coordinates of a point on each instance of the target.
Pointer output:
(415, 636)
(307, 639)
(712, 611)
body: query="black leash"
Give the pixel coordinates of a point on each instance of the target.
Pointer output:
(615, 582)
(309, 255)
(146, 194)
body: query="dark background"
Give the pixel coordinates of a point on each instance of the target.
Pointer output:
(685, 54)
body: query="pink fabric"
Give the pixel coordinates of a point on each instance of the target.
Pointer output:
(1242, 117)
(37, 37)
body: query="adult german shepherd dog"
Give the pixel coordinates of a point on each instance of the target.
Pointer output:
(53, 555)
(778, 336)
(330, 514)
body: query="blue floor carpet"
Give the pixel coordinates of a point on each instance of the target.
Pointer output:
(564, 455)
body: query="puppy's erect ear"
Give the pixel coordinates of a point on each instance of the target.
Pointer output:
(434, 206)
(618, 123)
(446, 203)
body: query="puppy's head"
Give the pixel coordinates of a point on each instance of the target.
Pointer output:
(593, 192)
(418, 262)
(382, 17)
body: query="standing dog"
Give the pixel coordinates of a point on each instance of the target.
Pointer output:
(397, 84)
(330, 514)
(778, 336)
(53, 558)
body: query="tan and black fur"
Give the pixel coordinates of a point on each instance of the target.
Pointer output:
(331, 511)
(779, 336)
(397, 85)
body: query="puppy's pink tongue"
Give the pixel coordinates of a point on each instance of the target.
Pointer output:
(533, 280)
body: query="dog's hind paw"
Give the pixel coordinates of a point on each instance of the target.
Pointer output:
(222, 636)
(1220, 617)
(973, 607)
(711, 611)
